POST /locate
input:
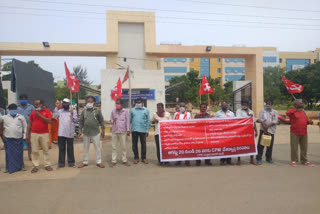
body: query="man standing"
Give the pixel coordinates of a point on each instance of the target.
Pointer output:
(120, 130)
(298, 133)
(203, 114)
(161, 114)
(140, 125)
(25, 109)
(224, 113)
(15, 127)
(67, 120)
(91, 120)
(268, 119)
(245, 111)
(39, 131)
(182, 114)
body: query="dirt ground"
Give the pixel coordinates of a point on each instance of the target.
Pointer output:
(277, 188)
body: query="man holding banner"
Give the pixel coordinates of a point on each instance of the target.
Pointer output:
(224, 113)
(245, 111)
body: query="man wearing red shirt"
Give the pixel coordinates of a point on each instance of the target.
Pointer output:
(298, 133)
(38, 128)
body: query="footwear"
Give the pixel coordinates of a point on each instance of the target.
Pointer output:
(126, 164)
(293, 164)
(229, 163)
(72, 166)
(178, 163)
(55, 142)
(100, 165)
(59, 167)
(34, 170)
(239, 162)
(167, 163)
(82, 165)
(48, 168)
(136, 161)
(259, 162)
(145, 161)
(187, 163)
(113, 165)
(308, 164)
(222, 163)
(253, 162)
(5, 171)
(270, 161)
(208, 163)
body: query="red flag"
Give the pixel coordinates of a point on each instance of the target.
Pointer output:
(205, 87)
(292, 87)
(117, 91)
(73, 82)
(126, 76)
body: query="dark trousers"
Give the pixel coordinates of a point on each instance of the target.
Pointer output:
(64, 142)
(269, 149)
(225, 160)
(135, 138)
(156, 137)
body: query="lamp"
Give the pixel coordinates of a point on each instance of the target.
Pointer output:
(46, 44)
(208, 48)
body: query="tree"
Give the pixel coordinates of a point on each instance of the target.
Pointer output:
(82, 76)
(309, 77)
(8, 67)
(274, 88)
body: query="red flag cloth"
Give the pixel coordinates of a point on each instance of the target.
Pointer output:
(292, 87)
(126, 76)
(73, 82)
(117, 91)
(205, 87)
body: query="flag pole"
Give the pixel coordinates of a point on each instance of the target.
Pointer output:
(293, 96)
(129, 72)
(70, 113)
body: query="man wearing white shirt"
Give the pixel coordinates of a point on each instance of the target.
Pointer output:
(182, 115)
(245, 111)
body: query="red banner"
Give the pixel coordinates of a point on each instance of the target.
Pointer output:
(206, 138)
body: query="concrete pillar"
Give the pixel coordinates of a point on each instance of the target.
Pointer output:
(254, 72)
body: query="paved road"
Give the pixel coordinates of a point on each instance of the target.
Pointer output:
(141, 188)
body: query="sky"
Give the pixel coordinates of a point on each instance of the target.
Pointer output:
(289, 25)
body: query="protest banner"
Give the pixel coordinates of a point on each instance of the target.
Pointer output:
(206, 138)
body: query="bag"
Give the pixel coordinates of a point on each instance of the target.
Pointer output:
(265, 140)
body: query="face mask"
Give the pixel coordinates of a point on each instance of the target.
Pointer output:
(224, 108)
(268, 108)
(118, 106)
(89, 105)
(244, 107)
(182, 109)
(139, 105)
(66, 107)
(301, 106)
(38, 109)
(23, 102)
(13, 113)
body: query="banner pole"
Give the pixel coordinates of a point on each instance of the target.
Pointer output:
(293, 96)
(129, 87)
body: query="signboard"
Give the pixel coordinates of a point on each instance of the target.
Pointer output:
(206, 138)
(146, 94)
(296, 67)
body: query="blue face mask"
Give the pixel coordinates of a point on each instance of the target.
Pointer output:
(13, 113)
(224, 108)
(23, 102)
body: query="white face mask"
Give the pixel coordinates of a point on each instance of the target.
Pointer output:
(38, 109)
(182, 109)
(139, 105)
(89, 105)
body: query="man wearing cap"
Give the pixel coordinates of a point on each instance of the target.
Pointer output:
(67, 120)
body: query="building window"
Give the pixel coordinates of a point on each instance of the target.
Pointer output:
(218, 59)
(280, 60)
(218, 71)
(315, 61)
(191, 59)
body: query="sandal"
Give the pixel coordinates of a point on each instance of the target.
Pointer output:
(34, 170)
(48, 168)
(82, 165)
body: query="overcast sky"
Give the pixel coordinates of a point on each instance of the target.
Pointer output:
(289, 25)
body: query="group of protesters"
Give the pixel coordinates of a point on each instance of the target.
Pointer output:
(26, 125)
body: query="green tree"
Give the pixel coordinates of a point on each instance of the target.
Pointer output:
(273, 87)
(309, 77)
(8, 67)
(82, 76)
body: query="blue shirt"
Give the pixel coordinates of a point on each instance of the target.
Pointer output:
(140, 120)
(25, 111)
